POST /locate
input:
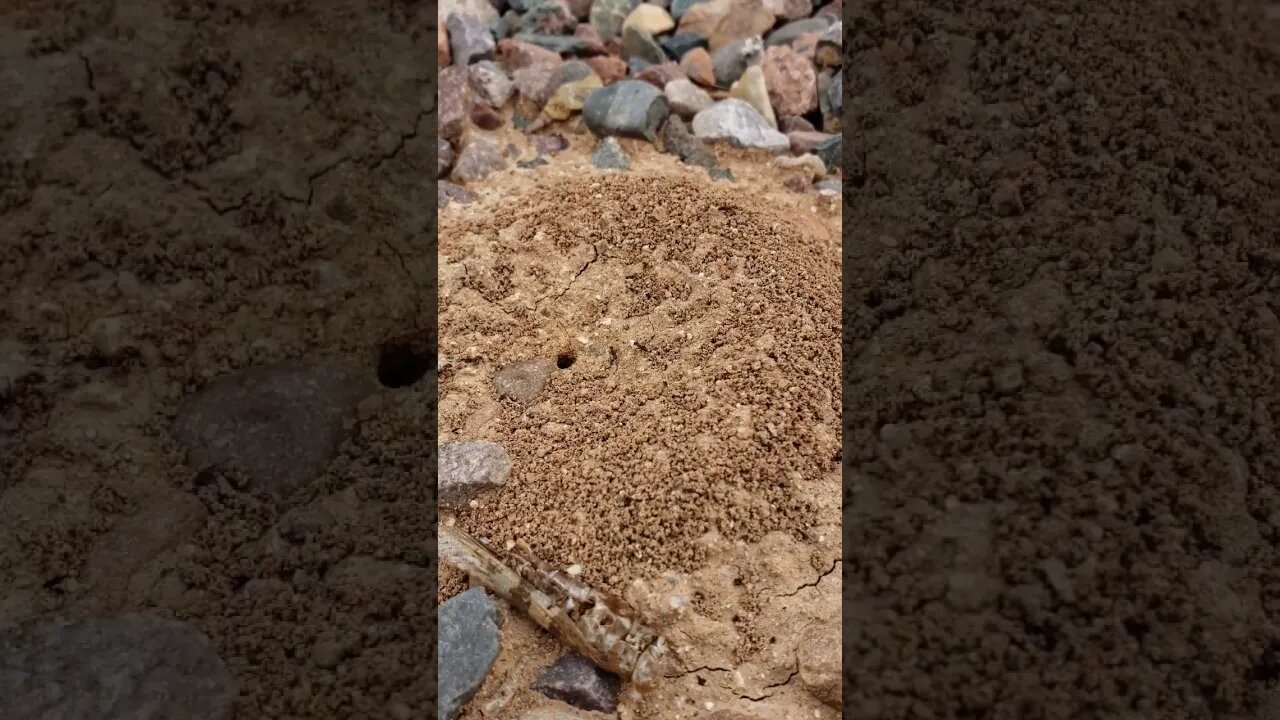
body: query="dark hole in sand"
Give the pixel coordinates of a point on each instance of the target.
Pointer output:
(564, 361)
(402, 362)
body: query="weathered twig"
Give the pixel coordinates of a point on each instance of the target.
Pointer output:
(599, 626)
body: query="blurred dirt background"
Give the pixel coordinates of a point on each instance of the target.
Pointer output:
(1062, 352)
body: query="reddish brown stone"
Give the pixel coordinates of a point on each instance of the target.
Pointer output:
(790, 124)
(790, 9)
(442, 47)
(590, 37)
(610, 69)
(453, 101)
(516, 55)
(697, 66)
(703, 17)
(660, 75)
(485, 117)
(792, 83)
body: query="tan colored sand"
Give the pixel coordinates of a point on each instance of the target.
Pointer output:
(703, 394)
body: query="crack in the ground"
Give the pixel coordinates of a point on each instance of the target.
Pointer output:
(704, 668)
(595, 255)
(766, 696)
(834, 564)
(404, 265)
(404, 140)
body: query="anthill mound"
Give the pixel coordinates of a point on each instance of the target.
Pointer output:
(692, 341)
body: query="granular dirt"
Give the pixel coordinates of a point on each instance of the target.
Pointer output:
(695, 339)
(1062, 350)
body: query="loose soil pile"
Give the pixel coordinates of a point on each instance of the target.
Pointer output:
(1061, 296)
(695, 335)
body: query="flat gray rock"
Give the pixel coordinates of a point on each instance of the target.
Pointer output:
(281, 424)
(686, 99)
(468, 468)
(133, 667)
(523, 381)
(630, 108)
(466, 646)
(788, 33)
(730, 61)
(577, 681)
(740, 124)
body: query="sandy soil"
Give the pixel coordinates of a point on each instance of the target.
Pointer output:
(690, 450)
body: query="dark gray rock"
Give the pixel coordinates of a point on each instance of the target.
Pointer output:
(469, 468)
(444, 157)
(787, 34)
(132, 666)
(609, 155)
(637, 43)
(607, 17)
(531, 164)
(831, 152)
(466, 646)
(630, 108)
(577, 681)
(831, 101)
(678, 141)
(680, 43)
(447, 192)
(730, 61)
(720, 173)
(281, 424)
(562, 44)
(470, 39)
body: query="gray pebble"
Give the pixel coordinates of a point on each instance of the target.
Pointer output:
(680, 43)
(133, 666)
(577, 681)
(788, 33)
(447, 192)
(607, 17)
(637, 43)
(831, 152)
(522, 381)
(730, 61)
(444, 157)
(562, 44)
(609, 155)
(468, 468)
(630, 108)
(470, 39)
(719, 173)
(490, 83)
(740, 124)
(678, 141)
(466, 647)
(479, 159)
(686, 99)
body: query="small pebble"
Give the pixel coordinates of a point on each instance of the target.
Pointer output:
(466, 647)
(577, 681)
(490, 83)
(649, 18)
(468, 468)
(470, 39)
(480, 158)
(609, 155)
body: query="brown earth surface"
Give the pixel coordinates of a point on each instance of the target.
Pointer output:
(688, 457)
(1062, 349)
